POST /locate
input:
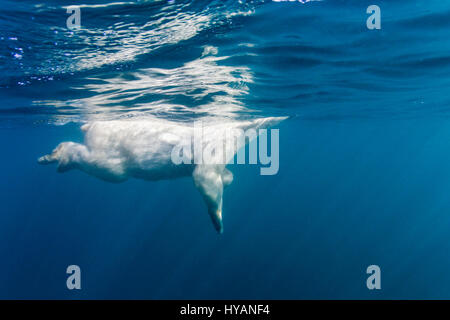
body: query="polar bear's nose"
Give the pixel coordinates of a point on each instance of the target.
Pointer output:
(46, 159)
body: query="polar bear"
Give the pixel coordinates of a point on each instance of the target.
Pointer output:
(144, 148)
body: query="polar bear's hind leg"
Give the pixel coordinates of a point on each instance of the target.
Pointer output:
(210, 180)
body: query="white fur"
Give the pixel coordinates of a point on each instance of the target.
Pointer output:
(119, 149)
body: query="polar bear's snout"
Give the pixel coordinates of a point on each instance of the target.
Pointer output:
(52, 157)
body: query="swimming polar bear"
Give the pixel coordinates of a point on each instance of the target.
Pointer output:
(149, 149)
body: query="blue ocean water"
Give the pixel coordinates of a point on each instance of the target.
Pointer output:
(364, 156)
